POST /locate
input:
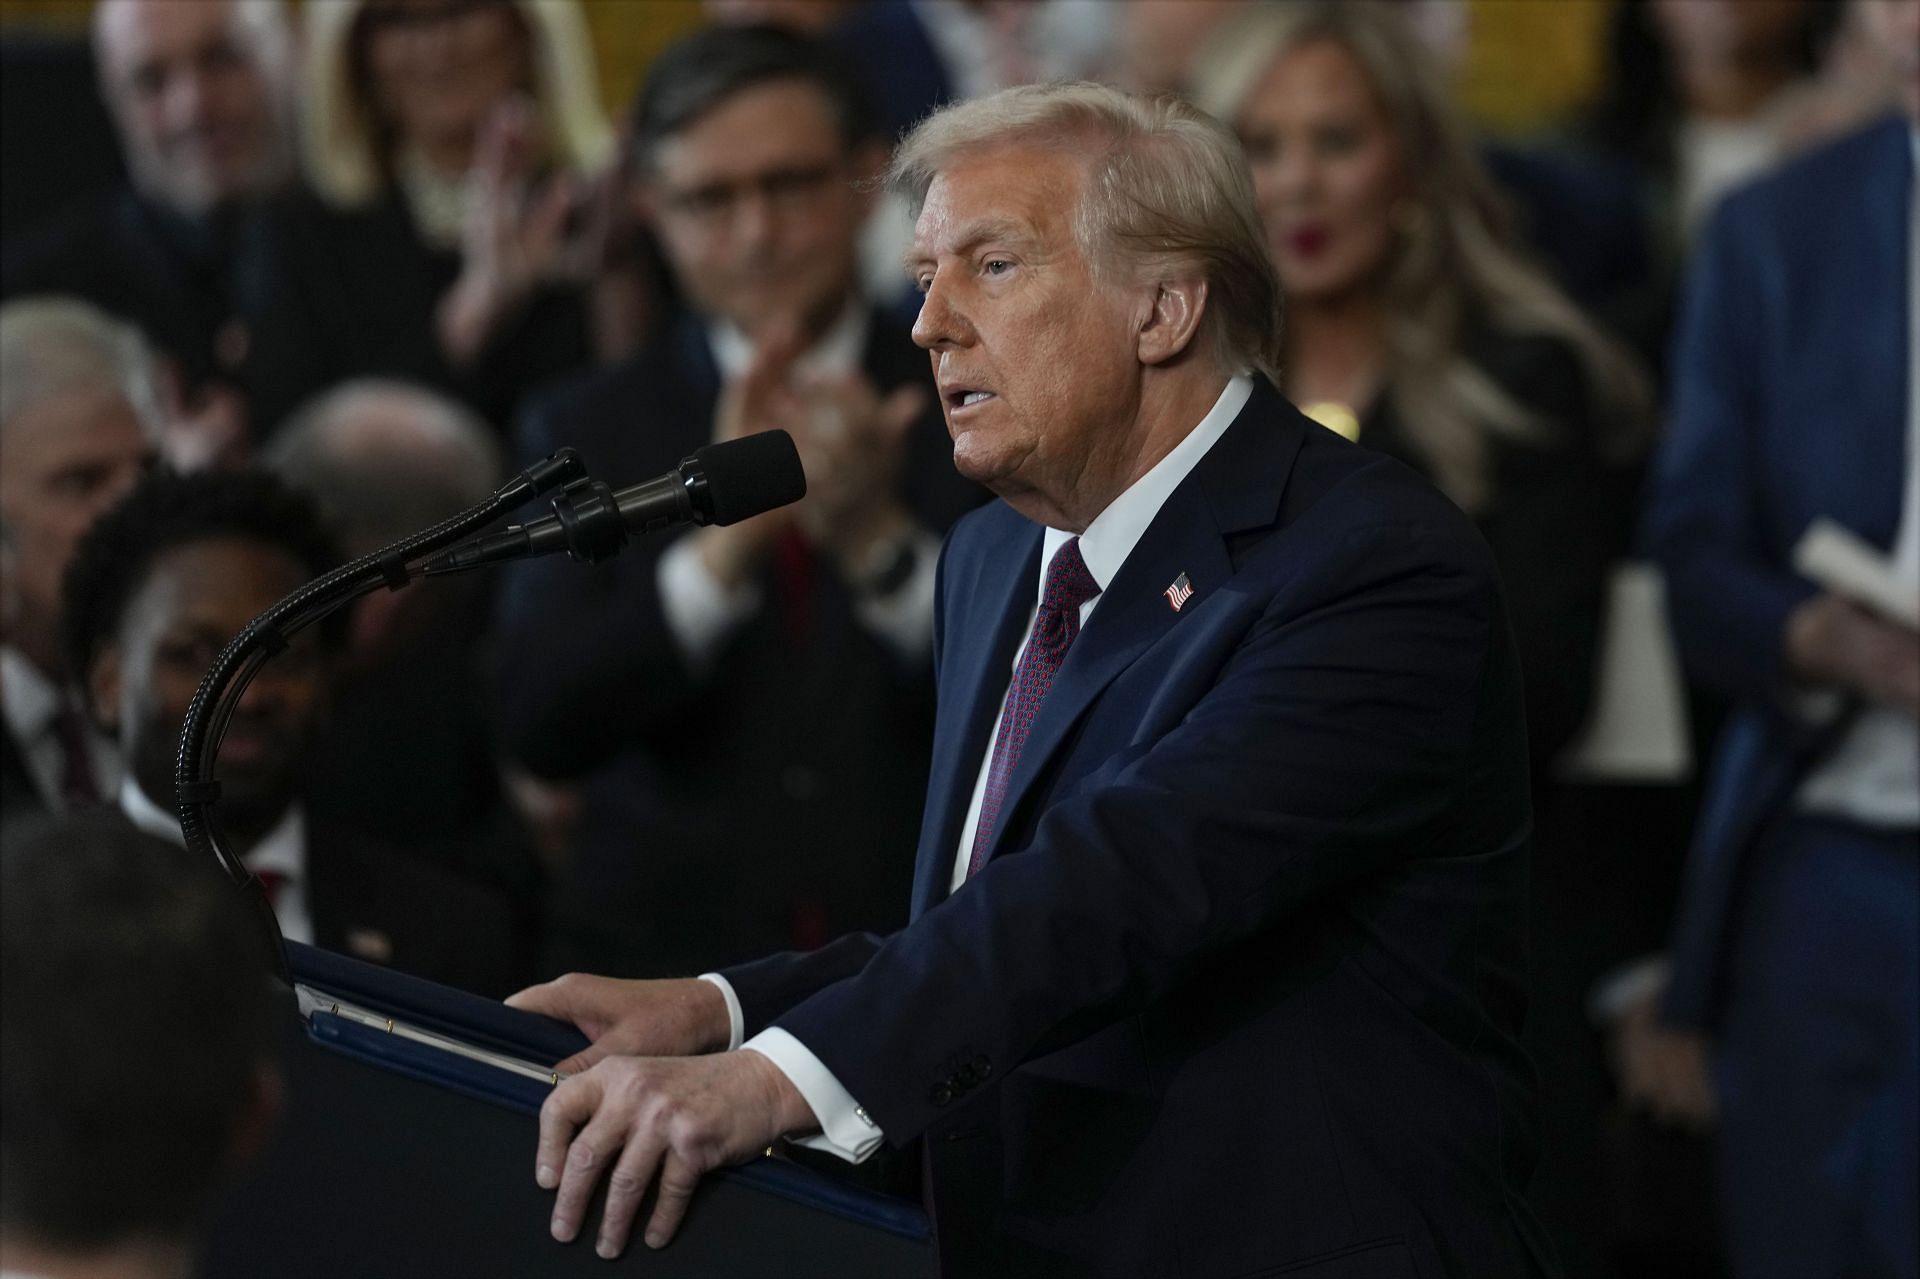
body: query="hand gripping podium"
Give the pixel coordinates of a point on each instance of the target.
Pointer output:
(397, 1156)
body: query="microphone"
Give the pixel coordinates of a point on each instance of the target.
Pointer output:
(720, 484)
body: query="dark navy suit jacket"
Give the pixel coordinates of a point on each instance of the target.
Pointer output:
(1790, 371)
(1238, 989)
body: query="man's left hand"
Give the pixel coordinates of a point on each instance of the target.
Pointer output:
(665, 1118)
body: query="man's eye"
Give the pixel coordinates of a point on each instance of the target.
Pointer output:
(997, 266)
(187, 654)
(80, 482)
(923, 282)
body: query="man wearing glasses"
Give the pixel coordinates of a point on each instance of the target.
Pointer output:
(749, 705)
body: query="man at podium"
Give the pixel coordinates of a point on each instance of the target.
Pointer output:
(1215, 955)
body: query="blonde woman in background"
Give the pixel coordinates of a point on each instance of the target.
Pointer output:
(449, 145)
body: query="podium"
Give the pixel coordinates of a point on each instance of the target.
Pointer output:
(394, 1156)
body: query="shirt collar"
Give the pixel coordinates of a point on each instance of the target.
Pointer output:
(283, 851)
(838, 351)
(1113, 534)
(31, 700)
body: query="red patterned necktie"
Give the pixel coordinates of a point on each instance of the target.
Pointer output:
(1069, 585)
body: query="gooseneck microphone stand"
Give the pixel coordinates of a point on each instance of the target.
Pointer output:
(195, 789)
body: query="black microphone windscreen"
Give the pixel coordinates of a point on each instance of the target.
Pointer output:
(752, 474)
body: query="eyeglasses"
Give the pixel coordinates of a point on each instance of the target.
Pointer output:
(795, 189)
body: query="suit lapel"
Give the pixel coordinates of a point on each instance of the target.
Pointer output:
(1236, 486)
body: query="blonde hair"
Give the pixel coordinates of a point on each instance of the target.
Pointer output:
(1168, 191)
(339, 135)
(1456, 264)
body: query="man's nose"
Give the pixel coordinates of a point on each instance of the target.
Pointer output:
(188, 98)
(939, 323)
(755, 222)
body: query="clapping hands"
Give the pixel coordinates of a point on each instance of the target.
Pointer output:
(851, 438)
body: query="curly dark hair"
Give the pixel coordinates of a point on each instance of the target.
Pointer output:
(167, 510)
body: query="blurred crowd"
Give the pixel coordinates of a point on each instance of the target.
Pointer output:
(370, 257)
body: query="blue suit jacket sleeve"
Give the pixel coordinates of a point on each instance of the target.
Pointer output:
(1728, 595)
(1312, 736)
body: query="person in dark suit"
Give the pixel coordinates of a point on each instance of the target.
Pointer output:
(1215, 958)
(79, 422)
(1798, 941)
(156, 589)
(767, 684)
(200, 92)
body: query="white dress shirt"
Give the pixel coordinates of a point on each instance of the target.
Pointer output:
(845, 1128)
(32, 705)
(282, 852)
(1873, 775)
(700, 610)
(1712, 157)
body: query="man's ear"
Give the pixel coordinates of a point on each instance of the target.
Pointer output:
(1173, 319)
(103, 689)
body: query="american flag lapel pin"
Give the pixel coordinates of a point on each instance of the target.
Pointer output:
(1179, 593)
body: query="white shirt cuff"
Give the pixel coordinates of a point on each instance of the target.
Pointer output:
(904, 619)
(845, 1129)
(736, 1020)
(699, 610)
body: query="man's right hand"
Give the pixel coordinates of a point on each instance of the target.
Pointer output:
(632, 1018)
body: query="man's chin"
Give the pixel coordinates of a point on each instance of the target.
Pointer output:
(986, 466)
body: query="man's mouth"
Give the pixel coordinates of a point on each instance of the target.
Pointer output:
(963, 398)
